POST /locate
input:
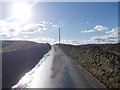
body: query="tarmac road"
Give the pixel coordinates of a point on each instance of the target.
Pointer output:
(56, 70)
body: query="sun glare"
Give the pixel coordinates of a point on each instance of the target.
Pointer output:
(21, 11)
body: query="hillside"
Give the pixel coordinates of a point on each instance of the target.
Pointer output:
(102, 61)
(18, 57)
(8, 46)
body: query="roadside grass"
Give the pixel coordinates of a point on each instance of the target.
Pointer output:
(102, 61)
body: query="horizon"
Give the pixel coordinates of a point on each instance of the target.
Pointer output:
(80, 22)
(59, 43)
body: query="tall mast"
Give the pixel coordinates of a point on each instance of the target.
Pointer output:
(59, 35)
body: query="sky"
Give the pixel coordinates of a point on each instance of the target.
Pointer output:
(79, 22)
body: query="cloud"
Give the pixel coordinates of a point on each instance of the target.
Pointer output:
(54, 25)
(14, 28)
(111, 37)
(72, 42)
(16, 38)
(11, 29)
(60, 23)
(104, 39)
(25, 36)
(87, 22)
(87, 31)
(114, 30)
(31, 28)
(84, 22)
(100, 28)
(46, 22)
(45, 40)
(96, 28)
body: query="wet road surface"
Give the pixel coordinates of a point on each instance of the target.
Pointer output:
(56, 70)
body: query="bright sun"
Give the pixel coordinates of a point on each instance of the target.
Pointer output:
(21, 11)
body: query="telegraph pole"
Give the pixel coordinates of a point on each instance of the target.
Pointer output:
(59, 35)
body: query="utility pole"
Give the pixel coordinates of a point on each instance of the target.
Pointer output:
(59, 35)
